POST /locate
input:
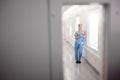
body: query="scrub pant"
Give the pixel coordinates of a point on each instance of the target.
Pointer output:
(78, 50)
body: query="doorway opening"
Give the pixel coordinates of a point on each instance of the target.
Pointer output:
(92, 18)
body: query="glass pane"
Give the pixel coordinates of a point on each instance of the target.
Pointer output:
(93, 30)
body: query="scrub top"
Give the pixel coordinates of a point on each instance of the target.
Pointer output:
(81, 40)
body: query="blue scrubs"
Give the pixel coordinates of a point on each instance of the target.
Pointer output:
(79, 43)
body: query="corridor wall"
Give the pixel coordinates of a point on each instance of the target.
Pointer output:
(24, 40)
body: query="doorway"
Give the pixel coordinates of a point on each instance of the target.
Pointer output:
(92, 18)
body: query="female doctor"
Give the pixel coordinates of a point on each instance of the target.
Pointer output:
(80, 38)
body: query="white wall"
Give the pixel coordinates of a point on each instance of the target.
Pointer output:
(24, 41)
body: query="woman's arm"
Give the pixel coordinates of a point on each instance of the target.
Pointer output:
(77, 36)
(84, 35)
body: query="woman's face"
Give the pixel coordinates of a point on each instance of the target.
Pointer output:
(80, 26)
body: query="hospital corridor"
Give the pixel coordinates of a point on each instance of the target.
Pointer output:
(91, 19)
(59, 39)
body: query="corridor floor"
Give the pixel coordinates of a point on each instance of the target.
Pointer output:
(73, 71)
